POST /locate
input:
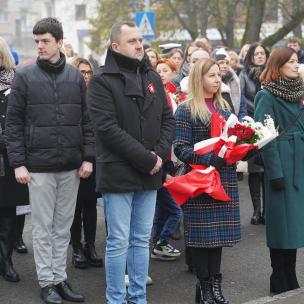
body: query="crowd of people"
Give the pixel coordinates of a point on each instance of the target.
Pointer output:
(71, 133)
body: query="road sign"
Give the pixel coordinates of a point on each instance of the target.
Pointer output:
(145, 21)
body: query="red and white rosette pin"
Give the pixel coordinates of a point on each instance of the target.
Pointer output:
(151, 88)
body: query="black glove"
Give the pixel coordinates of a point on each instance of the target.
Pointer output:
(217, 162)
(277, 183)
(250, 154)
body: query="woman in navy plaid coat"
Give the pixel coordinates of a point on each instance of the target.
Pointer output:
(209, 224)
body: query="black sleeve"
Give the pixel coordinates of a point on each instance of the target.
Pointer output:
(15, 121)
(87, 128)
(167, 133)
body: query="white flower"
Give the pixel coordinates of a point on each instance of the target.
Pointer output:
(248, 121)
(269, 124)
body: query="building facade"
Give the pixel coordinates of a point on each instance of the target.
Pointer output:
(17, 18)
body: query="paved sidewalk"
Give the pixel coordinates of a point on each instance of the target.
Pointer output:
(290, 297)
(245, 267)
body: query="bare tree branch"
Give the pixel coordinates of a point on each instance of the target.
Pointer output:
(285, 29)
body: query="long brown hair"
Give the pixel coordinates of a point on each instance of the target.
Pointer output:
(277, 59)
(198, 107)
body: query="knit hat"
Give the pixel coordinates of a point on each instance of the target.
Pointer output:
(220, 54)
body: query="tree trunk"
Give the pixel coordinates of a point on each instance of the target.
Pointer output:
(191, 25)
(202, 15)
(255, 14)
(295, 8)
(231, 9)
(285, 29)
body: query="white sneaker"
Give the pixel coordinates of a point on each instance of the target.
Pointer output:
(127, 282)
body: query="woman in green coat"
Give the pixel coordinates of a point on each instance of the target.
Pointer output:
(282, 98)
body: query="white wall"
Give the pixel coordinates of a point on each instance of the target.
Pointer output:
(76, 32)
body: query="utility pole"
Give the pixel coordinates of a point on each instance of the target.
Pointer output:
(147, 5)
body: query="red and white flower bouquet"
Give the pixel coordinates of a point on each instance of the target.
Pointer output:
(230, 140)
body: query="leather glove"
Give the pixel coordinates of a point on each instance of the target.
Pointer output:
(277, 183)
(249, 154)
(217, 162)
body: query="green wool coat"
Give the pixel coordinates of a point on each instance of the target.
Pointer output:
(283, 157)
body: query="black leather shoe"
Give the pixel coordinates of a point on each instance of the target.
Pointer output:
(50, 295)
(91, 255)
(66, 292)
(19, 246)
(8, 271)
(79, 260)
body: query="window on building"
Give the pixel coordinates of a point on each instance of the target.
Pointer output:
(80, 12)
(3, 17)
(3, 4)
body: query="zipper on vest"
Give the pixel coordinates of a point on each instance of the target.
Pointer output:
(57, 116)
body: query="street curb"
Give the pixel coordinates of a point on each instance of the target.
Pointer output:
(278, 297)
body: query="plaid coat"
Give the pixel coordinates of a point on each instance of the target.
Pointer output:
(208, 223)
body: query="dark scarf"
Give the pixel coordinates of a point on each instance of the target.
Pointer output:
(55, 68)
(226, 79)
(254, 73)
(129, 64)
(291, 90)
(6, 78)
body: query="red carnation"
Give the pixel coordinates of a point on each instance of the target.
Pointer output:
(243, 133)
(171, 87)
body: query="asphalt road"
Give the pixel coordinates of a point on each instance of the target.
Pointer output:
(245, 268)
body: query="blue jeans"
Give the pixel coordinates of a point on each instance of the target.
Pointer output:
(129, 219)
(167, 216)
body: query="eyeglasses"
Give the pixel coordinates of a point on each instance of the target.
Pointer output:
(262, 53)
(86, 73)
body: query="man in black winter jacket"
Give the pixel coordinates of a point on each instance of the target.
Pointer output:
(50, 145)
(134, 130)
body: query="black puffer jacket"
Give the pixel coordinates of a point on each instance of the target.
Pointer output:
(11, 193)
(132, 118)
(47, 127)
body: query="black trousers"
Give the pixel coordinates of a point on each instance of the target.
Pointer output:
(283, 263)
(86, 217)
(7, 231)
(20, 220)
(255, 181)
(206, 261)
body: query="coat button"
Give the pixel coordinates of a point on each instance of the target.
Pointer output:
(3, 116)
(134, 98)
(142, 118)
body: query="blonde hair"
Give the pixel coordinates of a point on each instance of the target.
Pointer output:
(7, 58)
(196, 101)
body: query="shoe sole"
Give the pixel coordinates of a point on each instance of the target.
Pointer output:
(48, 302)
(11, 280)
(22, 251)
(162, 257)
(97, 265)
(175, 255)
(80, 266)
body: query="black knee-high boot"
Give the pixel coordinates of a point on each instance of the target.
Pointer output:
(19, 245)
(217, 290)
(255, 193)
(204, 293)
(89, 227)
(290, 268)
(278, 279)
(78, 259)
(7, 238)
